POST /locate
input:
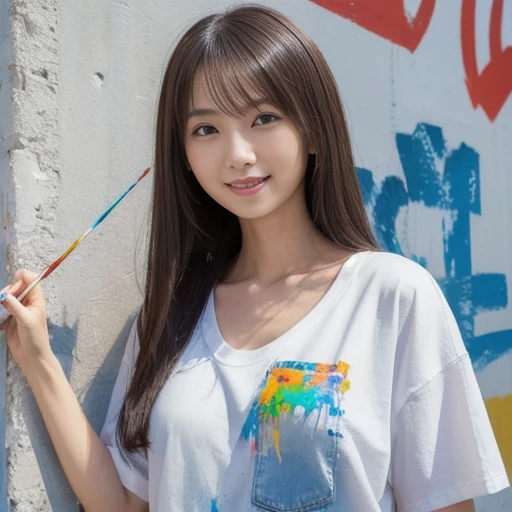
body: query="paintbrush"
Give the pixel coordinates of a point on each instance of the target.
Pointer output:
(3, 312)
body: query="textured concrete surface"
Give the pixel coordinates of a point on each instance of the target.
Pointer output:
(6, 189)
(33, 148)
(74, 142)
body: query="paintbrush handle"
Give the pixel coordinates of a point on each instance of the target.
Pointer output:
(73, 246)
(53, 266)
(32, 285)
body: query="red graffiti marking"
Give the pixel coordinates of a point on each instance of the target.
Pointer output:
(489, 88)
(387, 19)
(492, 86)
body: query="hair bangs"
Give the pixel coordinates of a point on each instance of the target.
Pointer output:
(234, 80)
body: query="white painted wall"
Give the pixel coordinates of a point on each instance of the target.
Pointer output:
(80, 132)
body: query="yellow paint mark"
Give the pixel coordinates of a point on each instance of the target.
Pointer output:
(276, 443)
(500, 414)
(345, 385)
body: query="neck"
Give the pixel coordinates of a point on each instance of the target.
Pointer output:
(280, 244)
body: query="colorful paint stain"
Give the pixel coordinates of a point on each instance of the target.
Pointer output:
(500, 414)
(293, 388)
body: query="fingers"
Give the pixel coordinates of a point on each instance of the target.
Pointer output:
(13, 306)
(22, 278)
(14, 289)
(34, 301)
(25, 277)
(35, 298)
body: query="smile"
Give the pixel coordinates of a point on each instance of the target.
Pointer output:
(245, 185)
(248, 188)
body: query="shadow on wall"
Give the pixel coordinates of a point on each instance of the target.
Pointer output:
(94, 399)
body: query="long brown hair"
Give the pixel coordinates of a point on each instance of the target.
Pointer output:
(246, 49)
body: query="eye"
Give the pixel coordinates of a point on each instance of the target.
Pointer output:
(265, 117)
(209, 130)
(205, 127)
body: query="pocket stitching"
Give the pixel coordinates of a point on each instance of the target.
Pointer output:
(274, 507)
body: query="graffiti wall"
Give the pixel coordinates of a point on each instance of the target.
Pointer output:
(427, 88)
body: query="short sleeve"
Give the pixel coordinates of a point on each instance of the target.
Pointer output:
(132, 468)
(443, 447)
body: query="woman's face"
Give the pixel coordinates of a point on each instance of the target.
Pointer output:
(263, 144)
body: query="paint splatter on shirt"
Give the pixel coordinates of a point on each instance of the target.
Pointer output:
(297, 389)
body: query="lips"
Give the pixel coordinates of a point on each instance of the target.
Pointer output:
(248, 187)
(247, 184)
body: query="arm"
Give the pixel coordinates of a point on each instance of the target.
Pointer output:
(86, 461)
(463, 506)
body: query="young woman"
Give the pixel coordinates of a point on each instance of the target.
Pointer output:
(279, 362)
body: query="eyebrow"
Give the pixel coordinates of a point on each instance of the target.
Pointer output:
(212, 112)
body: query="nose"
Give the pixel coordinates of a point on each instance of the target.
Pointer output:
(239, 152)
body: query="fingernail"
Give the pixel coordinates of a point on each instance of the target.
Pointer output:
(3, 296)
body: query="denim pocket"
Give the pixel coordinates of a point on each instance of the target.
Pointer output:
(296, 424)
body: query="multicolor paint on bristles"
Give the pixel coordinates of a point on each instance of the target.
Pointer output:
(4, 314)
(75, 244)
(291, 384)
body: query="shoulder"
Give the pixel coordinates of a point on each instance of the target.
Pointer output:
(403, 289)
(393, 273)
(415, 303)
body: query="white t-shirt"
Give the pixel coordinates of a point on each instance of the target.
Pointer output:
(370, 398)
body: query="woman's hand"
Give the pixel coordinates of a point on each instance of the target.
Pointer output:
(26, 330)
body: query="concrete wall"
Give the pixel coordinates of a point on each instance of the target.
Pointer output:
(431, 125)
(6, 190)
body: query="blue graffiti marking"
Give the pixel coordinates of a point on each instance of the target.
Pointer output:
(449, 181)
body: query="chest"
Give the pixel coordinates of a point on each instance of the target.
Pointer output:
(250, 318)
(218, 422)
